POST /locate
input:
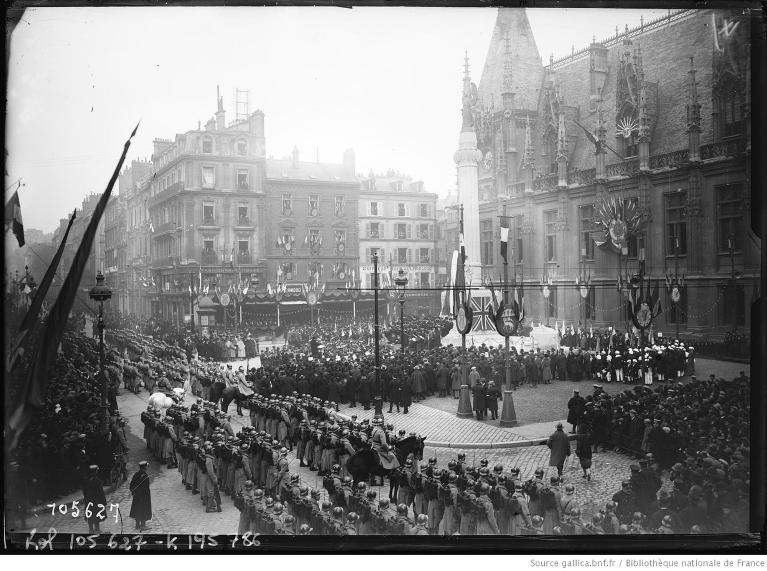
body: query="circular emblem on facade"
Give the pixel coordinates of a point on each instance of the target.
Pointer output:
(546, 292)
(341, 247)
(675, 294)
(617, 231)
(288, 247)
(311, 298)
(584, 291)
(341, 275)
(314, 212)
(644, 315)
(225, 299)
(461, 319)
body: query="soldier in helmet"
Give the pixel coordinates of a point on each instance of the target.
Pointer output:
(305, 529)
(448, 493)
(281, 469)
(257, 510)
(421, 525)
(402, 524)
(345, 451)
(338, 523)
(242, 502)
(486, 524)
(352, 521)
(288, 525)
(519, 511)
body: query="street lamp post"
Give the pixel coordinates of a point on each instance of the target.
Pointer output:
(377, 396)
(676, 281)
(401, 282)
(101, 293)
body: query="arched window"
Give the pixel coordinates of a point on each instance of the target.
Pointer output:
(730, 112)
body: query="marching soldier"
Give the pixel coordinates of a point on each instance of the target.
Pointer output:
(345, 451)
(519, 511)
(451, 521)
(486, 524)
(214, 494)
(402, 524)
(352, 520)
(304, 437)
(242, 501)
(258, 506)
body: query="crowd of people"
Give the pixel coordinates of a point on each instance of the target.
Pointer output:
(293, 397)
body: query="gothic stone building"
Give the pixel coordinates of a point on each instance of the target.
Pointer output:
(657, 115)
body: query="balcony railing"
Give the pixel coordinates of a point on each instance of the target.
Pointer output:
(581, 177)
(374, 235)
(623, 168)
(244, 258)
(208, 257)
(516, 189)
(729, 148)
(672, 159)
(546, 182)
(209, 221)
(425, 259)
(243, 221)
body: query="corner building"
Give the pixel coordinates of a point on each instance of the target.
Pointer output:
(667, 108)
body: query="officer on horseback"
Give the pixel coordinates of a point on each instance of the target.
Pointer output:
(379, 443)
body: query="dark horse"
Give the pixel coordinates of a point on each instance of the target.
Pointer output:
(365, 463)
(219, 391)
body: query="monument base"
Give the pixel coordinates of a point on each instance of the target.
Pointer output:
(543, 338)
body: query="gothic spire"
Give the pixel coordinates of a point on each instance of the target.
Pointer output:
(469, 96)
(507, 64)
(644, 119)
(693, 107)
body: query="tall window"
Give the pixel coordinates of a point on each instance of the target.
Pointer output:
(401, 210)
(402, 255)
(551, 303)
(207, 145)
(403, 231)
(519, 243)
(676, 227)
(242, 148)
(208, 245)
(242, 179)
(550, 235)
(372, 252)
(590, 303)
(287, 205)
(585, 215)
(340, 204)
(208, 213)
(423, 210)
(729, 217)
(676, 312)
(376, 208)
(423, 256)
(730, 112)
(732, 305)
(423, 232)
(314, 205)
(486, 242)
(208, 177)
(375, 231)
(242, 246)
(425, 279)
(242, 214)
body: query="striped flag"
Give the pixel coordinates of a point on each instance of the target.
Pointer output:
(504, 243)
(32, 393)
(13, 218)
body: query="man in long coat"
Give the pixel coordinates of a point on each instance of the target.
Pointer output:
(575, 408)
(559, 445)
(141, 508)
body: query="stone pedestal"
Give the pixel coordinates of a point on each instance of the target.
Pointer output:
(508, 415)
(464, 403)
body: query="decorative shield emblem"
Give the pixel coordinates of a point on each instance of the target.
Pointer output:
(675, 294)
(546, 292)
(341, 247)
(341, 275)
(644, 315)
(508, 322)
(617, 231)
(288, 246)
(584, 291)
(225, 299)
(311, 298)
(461, 319)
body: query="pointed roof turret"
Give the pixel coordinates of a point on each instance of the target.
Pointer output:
(512, 47)
(469, 97)
(528, 160)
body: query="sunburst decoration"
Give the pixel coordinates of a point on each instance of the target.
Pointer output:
(618, 220)
(626, 126)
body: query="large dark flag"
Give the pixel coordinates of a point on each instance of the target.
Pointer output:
(13, 218)
(32, 394)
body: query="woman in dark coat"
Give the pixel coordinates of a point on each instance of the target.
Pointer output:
(94, 499)
(479, 399)
(141, 508)
(405, 396)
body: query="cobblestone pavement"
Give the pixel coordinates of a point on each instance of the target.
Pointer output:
(176, 510)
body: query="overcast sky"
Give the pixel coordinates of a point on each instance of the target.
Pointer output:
(383, 81)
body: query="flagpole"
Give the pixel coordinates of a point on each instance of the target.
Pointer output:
(507, 357)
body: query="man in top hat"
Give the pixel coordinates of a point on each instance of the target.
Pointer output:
(141, 508)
